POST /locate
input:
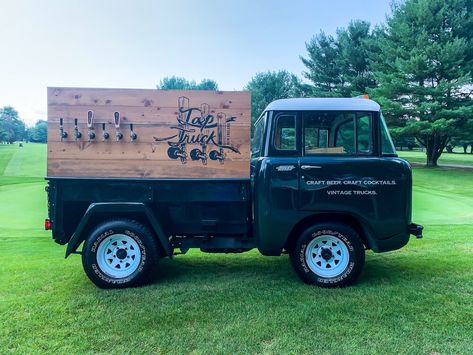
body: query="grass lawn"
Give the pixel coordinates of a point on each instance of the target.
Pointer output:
(445, 158)
(415, 300)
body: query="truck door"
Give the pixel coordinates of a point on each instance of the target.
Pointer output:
(276, 187)
(340, 170)
(337, 148)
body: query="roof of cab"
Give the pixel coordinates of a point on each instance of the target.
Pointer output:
(323, 104)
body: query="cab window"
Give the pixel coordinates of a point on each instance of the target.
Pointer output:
(337, 133)
(285, 133)
(363, 133)
(387, 146)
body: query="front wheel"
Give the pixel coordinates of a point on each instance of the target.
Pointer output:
(119, 253)
(328, 255)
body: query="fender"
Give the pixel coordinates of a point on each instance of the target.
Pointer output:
(94, 208)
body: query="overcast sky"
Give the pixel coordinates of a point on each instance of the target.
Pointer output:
(135, 43)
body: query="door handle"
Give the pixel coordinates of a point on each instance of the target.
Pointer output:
(309, 167)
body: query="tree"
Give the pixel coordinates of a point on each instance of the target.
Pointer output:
(402, 141)
(464, 140)
(12, 128)
(424, 68)
(339, 66)
(178, 83)
(38, 133)
(207, 84)
(272, 85)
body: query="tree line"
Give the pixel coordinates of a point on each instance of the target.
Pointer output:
(418, 66)
(13, 128)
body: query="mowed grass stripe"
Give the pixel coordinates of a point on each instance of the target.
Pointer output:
(28, 161)
(6, 153)
(11, 162)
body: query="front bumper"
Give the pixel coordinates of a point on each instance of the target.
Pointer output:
(416, 229)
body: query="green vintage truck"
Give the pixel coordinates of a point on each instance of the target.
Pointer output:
(325, 185)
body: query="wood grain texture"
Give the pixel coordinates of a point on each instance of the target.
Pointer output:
(206, 135)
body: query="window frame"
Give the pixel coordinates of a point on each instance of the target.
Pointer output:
(371, 134)
(381, 123)
(276, 152)
(263, 119)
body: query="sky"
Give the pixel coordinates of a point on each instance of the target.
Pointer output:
(135, 43)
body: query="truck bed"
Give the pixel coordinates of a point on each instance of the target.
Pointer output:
(184, 207)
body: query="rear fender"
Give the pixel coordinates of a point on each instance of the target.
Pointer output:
(117, 207)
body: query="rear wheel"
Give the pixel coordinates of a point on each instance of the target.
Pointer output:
(328, 255)
(119, 253)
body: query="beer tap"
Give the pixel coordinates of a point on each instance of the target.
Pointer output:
(77, 134)
(133, 135)
(118, 134)
(62, 134)
(90, 125)
(105, 134)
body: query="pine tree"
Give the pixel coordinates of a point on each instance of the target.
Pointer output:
(339, 66)
(423, 64)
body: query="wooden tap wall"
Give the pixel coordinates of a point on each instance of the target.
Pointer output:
(178, 134)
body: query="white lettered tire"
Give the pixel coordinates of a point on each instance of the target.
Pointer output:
(119, 253)
(328, 255)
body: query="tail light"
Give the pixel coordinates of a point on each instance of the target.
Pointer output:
(47, 224)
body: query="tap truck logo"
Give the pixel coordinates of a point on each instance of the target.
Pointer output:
(198, 127)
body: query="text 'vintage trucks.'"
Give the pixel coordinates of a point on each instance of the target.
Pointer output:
(139, 175)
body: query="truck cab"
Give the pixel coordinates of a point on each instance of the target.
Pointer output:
(328, 160)
(325, 185)
(333, 157)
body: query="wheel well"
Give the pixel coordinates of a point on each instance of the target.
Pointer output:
(100, 217)
(327, 218)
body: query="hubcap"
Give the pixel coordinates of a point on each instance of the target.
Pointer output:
(327, 256)
(121, 254)
(118, 255)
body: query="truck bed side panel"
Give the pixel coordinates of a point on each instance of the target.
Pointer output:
(218, 207)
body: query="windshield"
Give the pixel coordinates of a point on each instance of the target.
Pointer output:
(387, 146)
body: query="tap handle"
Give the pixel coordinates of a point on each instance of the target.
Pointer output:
(78, 134)
(116, 117)
(61, 129)
(133, 135)
(105, 134)
(90, 118)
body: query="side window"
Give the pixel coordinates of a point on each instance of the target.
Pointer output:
(387, 146)
(285, 133)
(258, 138)
(363, 133)
(332, 132)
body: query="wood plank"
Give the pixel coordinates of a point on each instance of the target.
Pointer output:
(145, 97)
(145, 169)
(171, 141)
